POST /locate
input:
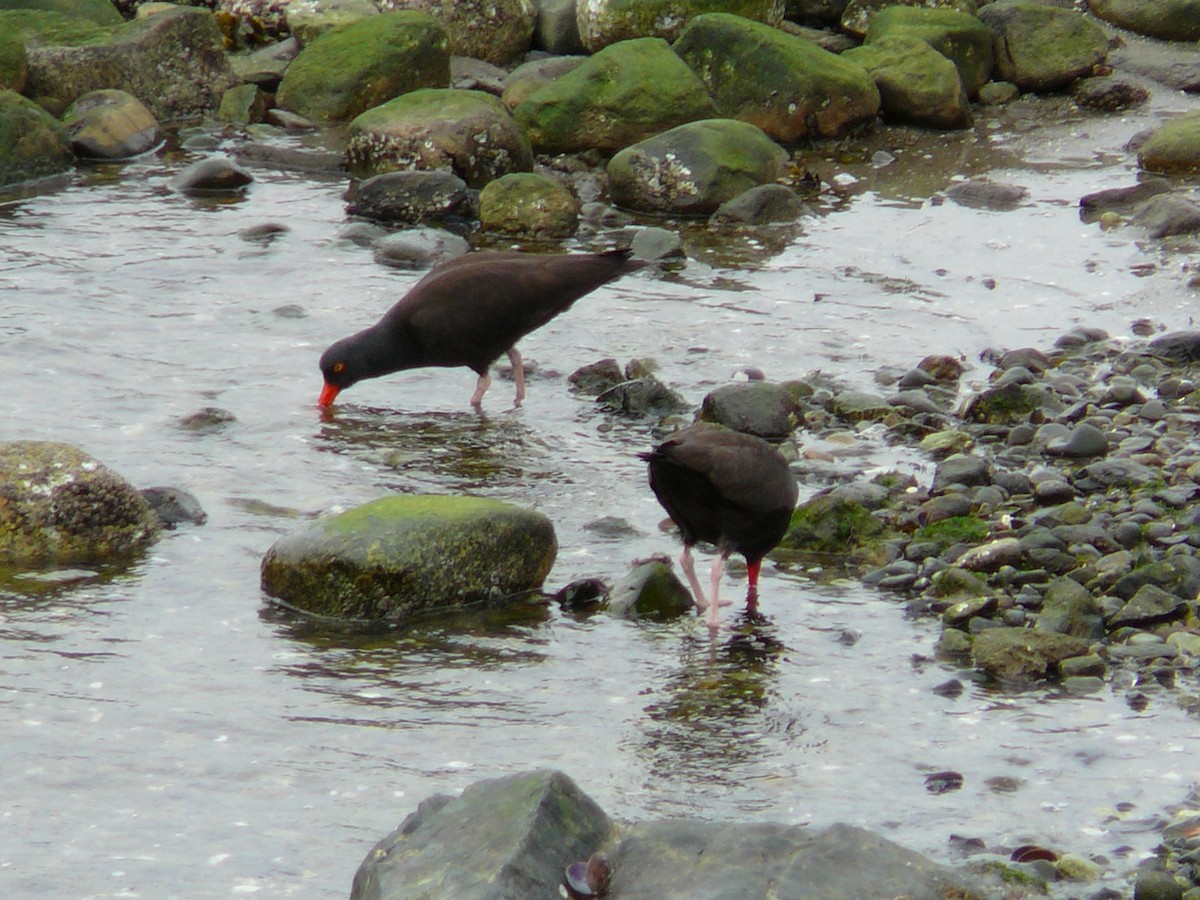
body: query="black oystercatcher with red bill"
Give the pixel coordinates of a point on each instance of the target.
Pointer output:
(728, 489)
(469, 311)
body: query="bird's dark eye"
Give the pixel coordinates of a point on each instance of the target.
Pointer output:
(339, 368)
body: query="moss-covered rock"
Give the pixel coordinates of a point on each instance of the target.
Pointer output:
(59, 506)
(527, 204)
(1043, 48)
(916, 83)
(1023, 655)
(467, 132)
(33, 144)
(497, 31)
(1167, 20)
(350, 69)
(14, 64)
(110, 124)
(857, 15)
(651, 589)
(691, 170)
(1174, 147)
(604, 22)
(100, 12)
(404, 556)
(173, 62)
(833, 526)
(787, 86)
(961, 38)
(625, 93)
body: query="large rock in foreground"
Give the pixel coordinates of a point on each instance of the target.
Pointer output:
(1043, 48)
(521, 836)
(59, 506)
(409, 555)
(33, 144)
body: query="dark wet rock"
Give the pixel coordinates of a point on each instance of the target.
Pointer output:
(916, 83)
(60, 506)
(1042, 48)
(961, 469)
(407, 555)
(760, 205)
(859, 406)
(605, 23)
(507, 838)
(943, 506)
(1174, 147)
(1168, 214)
(1109, 93)
(1124, 199)
(960, 613)
(643, 396)
(992, 556)
(1179, 575)
(1023, 655)
(1090, 665)
(582, 594)
(174, 506)
(624, 94)
(1168, 20)
(1178, 346)
(214, 175)
(1153, 883)
(208, 419)
(1069, 608)
(761, 408)
(142, 58)
(1107, 473)
(410, 197)
(110, 124)
(788, 87)
(36, 144)
(955, 33)
(692, 169)
(596, 378)
(987, 195)
(529, 205)
(418, 248)
(1151, 604)
(651, 589)
(469, 132)
(301, 159)
(265, 66)
(348, 70)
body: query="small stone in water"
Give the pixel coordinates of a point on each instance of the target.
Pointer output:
(943, 782)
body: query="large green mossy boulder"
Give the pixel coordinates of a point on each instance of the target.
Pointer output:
(857, 15)
(469, 133)
(33, 144)
(916, 83)
(691, 170)
(1043, 48)
(410, 555)
(961, 38)
(604, 22)
(101, 12)
(352, 68)
(174, 62)
(625, 93)
(1167, 20)
(787, 86)
(1173, 148)
(59, 506)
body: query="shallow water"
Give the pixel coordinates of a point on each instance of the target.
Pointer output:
(170, 735)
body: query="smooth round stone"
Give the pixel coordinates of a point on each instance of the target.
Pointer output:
(1084, 442)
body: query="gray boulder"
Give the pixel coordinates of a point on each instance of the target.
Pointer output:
(787, 86)
(1042, 48)
(110, 124)
(761, 408)
(411, 197)
(407, 555)
(469, 133)
(33, 144)
(623, 94)
(506, 838)
(350, 69)
(650, 589)
(1069, 608)
(604, 22)
(145, 58)
(1024, 655)
(761, 205)
(691, 170)
(60, 506)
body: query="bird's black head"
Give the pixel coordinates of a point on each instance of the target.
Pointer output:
(342, 366)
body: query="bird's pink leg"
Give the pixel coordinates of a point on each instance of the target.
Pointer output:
(481, 387)
(514, 356)
(689, 570)
(714, 608)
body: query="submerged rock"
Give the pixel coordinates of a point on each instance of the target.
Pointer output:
(404, 556)
(60, 506)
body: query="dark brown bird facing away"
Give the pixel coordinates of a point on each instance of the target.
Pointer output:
(468, 312)
(728, 489)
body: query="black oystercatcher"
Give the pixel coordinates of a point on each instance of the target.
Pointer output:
(468, 312)
(729, 489)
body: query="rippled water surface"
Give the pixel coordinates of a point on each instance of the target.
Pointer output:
(167, 734)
